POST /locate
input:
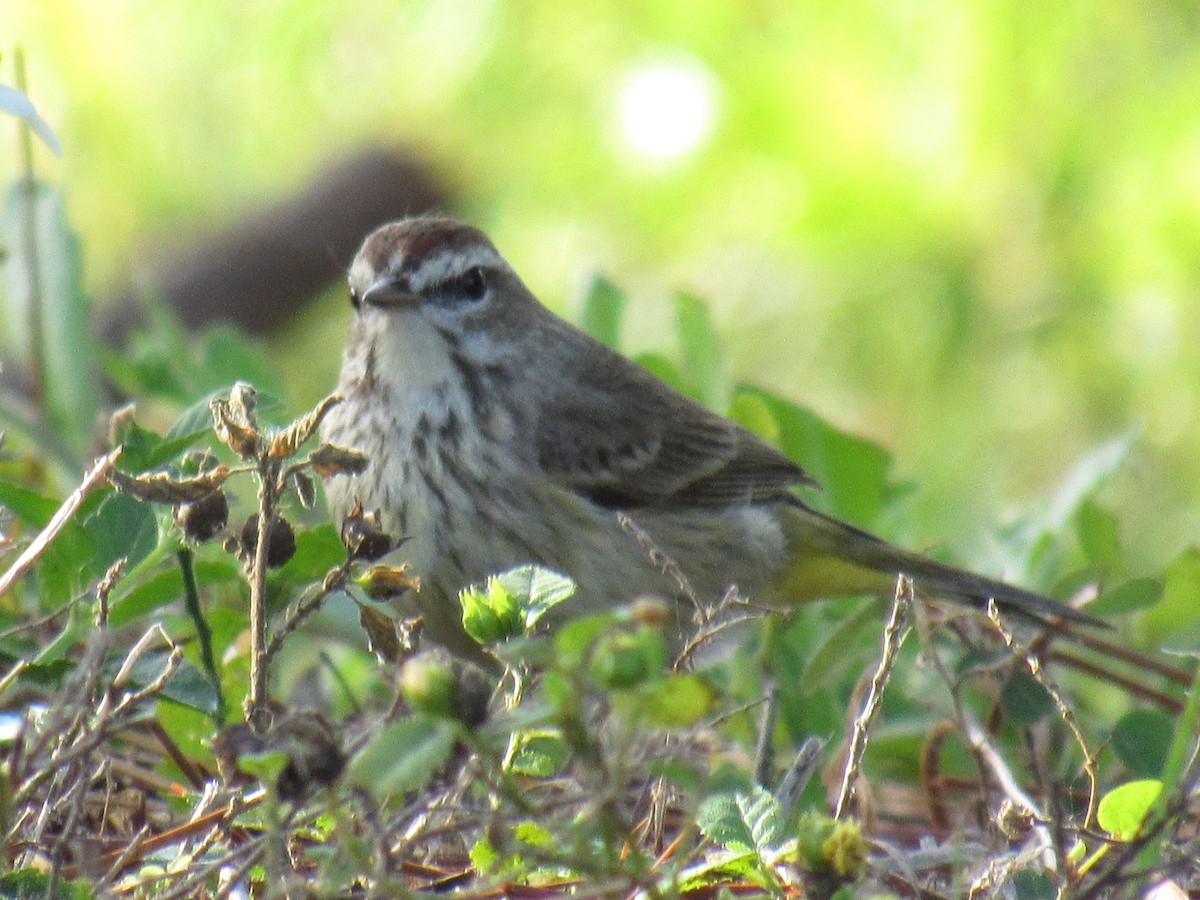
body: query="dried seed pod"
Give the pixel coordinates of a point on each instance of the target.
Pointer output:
(363, 537)
(330, 459)
(119, 422)
(385, 582)
(306, 490)
(243, 399)
(233, 429)
(205, 518)
(281, 540)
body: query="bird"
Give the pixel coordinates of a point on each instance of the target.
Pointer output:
(498, 434)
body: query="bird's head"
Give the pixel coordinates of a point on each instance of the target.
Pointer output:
(438, 276)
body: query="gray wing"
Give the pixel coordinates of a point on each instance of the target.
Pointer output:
(621, 437)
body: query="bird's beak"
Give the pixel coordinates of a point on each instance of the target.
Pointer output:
(388, 292)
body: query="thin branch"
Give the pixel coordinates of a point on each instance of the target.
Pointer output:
(894, 635)
(95, 476)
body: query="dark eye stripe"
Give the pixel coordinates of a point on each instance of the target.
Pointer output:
(469, 287)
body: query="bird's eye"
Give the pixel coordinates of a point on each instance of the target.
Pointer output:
(471, 286)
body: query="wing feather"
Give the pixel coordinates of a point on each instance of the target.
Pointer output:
(625, 439)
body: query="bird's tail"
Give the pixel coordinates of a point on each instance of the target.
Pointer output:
(831, 558)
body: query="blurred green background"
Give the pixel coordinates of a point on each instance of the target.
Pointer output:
(968, 230)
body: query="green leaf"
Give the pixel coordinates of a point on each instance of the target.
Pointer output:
(603, 307)
(1032, 885)
(403, 757)
(1142, 740)
(743, 822)
(752, 412)
(852, 470)
(539, 755)
(539, 590)
(661, 367)
(1128, 596)
(143, 449)
(188, 686)
(1099, 536)
(574, 640)
(533, 834)
(677, 701)
(1024, 701)
(122, 527)
(265, 766)
(317, 551)
(1087, 476)
(228, 357)
(491, 614)
(72, 398)
(703, 372)
(65, 566)
(167, 587)
(32, 884)
(1123, 809)
(849, 645)
(1174, 621)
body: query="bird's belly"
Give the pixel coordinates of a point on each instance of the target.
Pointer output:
(461, 526)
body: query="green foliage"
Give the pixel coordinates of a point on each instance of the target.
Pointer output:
(1124, 809)
(512, 603)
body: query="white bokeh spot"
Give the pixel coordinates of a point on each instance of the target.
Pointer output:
(668, 108)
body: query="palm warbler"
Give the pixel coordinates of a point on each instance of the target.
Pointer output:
(498, 434)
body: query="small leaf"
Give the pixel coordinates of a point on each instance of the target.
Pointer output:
(1099, 536)
(603, 306)
(1123, 810)
(1128, 596)
(743, 822)
(539, 755)
(1030, 885)
(853, 471)
(403, 757)
(1142, 739)
(1024, 700)
(537, 590)
(1087, 476)
(702, 366)
(677, 701)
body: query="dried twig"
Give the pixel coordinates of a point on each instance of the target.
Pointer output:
(894, 635)
(1034, 665)
(96, 476)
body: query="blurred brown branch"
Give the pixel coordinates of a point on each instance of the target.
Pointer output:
(263, 267)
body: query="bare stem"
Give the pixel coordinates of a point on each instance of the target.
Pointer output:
(255, 703)
(33, 269)
(893, 638)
